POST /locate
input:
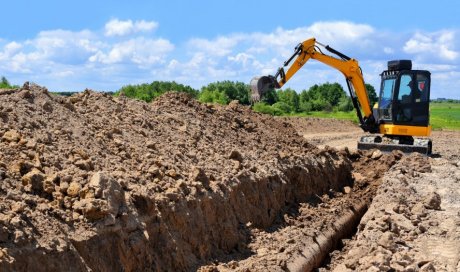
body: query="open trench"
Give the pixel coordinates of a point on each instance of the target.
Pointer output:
(290, 221)
(303, 238)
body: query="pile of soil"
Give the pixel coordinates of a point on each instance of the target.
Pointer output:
(94, 182)
(413, 223)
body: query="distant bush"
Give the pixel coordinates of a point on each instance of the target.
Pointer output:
(223, 92)
(5, 84)
(64, 93)
(149, 92)
(320, 105)
(213, 96)
(327, 97)
(265, 108)
(345, 104)
(282, 107)
(305, 106)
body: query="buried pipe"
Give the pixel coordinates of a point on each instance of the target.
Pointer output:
(313, 255)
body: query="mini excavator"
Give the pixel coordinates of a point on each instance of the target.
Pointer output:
(400, 118)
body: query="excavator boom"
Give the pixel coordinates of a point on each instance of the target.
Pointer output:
(310, 49)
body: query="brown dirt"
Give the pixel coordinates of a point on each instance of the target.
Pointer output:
(405, 229)
(93, 182)
(304, 236)
(342, 133)
(96, 183)
(413, 223)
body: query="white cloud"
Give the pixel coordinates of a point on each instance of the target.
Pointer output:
(438, 44)
(117, 27)
(341, 31)
(127, 51)
(388, 50)
(145, 26)
(220, 46)
(242, 58)
(139, 51)
(12, 47)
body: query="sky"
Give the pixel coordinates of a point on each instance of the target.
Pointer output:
(104, 45)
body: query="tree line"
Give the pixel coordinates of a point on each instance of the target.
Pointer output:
(324, 97)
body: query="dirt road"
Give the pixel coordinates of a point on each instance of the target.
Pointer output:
(341, 133)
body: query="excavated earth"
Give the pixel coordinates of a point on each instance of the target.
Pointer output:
(94, 182)
(413, 223)
(100, 183)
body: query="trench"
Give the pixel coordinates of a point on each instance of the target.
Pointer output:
(317, 226)
(316, 256)
(289, 221)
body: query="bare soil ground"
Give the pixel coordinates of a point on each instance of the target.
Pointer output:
(413, 223)
(97, 183)
(342, 133)
(93, 182)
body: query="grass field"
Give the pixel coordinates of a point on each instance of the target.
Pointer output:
(445, 115)
(442, 115)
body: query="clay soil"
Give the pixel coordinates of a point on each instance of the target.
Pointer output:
(97, 183)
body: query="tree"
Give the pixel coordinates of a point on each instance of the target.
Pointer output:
(225, 91)
(283, 107)
(149, 92)
(270, 97)
(305, 106)
(332, 93)
(345, 104)
(290, 98)
(5, 84)
(372, 94)
(4, 81)
(213, 96)
(321, 105)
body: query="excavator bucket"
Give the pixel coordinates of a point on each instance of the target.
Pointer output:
(260, 85)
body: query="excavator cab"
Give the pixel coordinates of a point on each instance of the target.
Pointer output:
(404, 95)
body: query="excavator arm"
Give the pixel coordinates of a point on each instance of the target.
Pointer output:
(310, 49)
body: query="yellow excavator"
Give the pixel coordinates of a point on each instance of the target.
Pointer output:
(401, 115)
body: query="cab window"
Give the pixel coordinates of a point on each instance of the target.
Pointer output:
(405, 89)
(422, 87)
(387, 93)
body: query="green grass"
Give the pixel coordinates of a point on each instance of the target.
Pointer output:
(442, 115)
(445, 115)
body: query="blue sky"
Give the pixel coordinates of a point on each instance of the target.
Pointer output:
(103, 45)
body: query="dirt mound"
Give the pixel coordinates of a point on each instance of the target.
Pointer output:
(413, 223)
(93, 182)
